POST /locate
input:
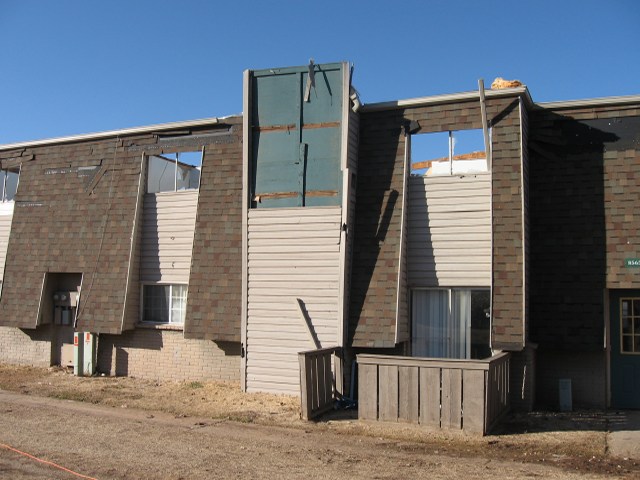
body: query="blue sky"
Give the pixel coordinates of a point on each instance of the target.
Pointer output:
(78, 66)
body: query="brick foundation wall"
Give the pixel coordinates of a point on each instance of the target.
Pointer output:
(26, 347)
(587, 371)
(167, 355)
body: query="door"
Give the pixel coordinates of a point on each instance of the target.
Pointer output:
(625, 348)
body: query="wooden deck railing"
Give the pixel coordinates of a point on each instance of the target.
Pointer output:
(320, 380)
(470, 395)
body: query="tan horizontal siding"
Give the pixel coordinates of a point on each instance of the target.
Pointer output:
(6, 215)
(167, 236)
(292, 253)
(449, 231)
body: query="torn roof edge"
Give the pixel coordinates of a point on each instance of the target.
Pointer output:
(120, 132)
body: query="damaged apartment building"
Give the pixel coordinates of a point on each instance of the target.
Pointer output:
(455, 226)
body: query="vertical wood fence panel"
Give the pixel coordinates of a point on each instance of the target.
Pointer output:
(320, 380)
(388, 393)
(408, 394)
(471, 395)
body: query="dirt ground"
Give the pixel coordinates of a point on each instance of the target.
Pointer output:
(132, 428)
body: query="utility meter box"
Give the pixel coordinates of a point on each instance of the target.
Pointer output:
(84, 347)
(64, 307)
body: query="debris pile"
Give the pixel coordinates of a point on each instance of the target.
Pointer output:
(500, 83)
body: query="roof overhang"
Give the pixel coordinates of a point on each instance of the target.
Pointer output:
(591, 102)
(522, 91)
(117, 133)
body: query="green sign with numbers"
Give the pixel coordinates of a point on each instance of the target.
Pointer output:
(632, 262)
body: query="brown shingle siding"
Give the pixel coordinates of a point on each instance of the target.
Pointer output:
(58, 226)
(213, 310)
(379, 213)
(584, 199)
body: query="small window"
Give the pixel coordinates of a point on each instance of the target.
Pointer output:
(448, 153)
(164, 303)
(9, 183)
(630, 325)
(173, 172)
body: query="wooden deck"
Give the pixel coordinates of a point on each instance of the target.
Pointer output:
(471, 395)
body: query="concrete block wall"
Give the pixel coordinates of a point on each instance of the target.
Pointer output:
(26, 347)
(587, 371)
(167, 355)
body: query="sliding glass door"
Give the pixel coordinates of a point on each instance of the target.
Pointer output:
(450, 323)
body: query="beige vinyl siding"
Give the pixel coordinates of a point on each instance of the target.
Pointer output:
(6, 215)
(167, 236)
(449, 231)
(293, 253)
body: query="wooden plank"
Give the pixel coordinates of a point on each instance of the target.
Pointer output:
(408, 394)
(369, 359)
(451, 398)
(473, 397)
(430, 396)
(305, 381)
(388, 393)
(367, 392)
(318, 382)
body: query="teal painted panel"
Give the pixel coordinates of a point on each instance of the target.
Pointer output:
(276, 100)
(325, 100)
(323, 159)
(288, 161)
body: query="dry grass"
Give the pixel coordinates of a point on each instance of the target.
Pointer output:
(193, 399)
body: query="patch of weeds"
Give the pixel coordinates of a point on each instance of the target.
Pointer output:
(243, 417)
(195, 385)
(70, 395)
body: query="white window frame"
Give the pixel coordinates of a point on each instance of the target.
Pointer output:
(171, 286)
(633, 316)
(176, 162)
(3, 187)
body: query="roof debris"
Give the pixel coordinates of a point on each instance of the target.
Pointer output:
(500, 83)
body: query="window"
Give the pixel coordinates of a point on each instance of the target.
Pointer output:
(164, 303)
(448, 153)
(450, 323)
(630, 325)
(172, 172)
(9, 184)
